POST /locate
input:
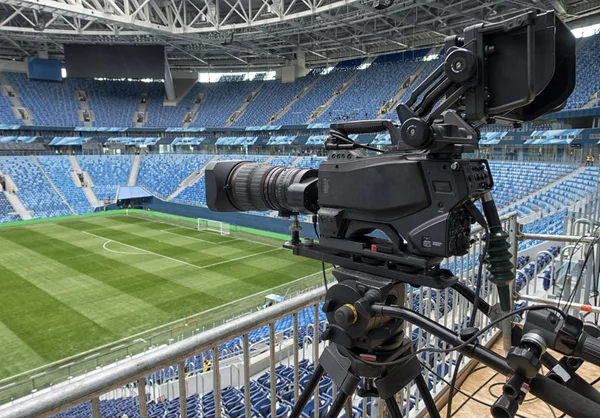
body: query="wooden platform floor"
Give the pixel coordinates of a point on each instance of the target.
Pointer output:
(483, 380)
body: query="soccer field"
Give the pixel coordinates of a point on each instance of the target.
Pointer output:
(70, 286)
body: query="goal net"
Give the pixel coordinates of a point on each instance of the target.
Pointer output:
(221, 228)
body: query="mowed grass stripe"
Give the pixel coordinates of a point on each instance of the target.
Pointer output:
(58, 328)
(196, 253)
(213, 239)
(15, 353)
(78, 272)
(262, 272)
(160, 225)
(162, 293)
(79, 291)
(255, 272)
(180, 235)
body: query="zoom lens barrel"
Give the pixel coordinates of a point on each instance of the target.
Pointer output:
(237, 186)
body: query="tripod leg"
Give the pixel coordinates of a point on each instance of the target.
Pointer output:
(427, 399)
(337, 405)
(308, 391)
(344, 395)
(393, 407)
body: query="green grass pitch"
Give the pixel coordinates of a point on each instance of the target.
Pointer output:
(70, 286)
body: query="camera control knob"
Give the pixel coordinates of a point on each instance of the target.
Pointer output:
(415, 133)
(346, 315)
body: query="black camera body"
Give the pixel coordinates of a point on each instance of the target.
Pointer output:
(416, 201)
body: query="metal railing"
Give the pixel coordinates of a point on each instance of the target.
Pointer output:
(445, 307)
(573, 280)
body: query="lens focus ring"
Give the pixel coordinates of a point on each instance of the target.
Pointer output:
(240, 184)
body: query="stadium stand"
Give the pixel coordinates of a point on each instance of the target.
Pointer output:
(161, 174)
(34, 190)
(365, 96)
(160, 115)
(550, 188)
(51, 103)
(587, 78)
(115, 102)
(6, 114)
(221, 100)
(508, 176)
(58, 169)
(107, 172)
(273, 96)
(318, 95)
(6, 209)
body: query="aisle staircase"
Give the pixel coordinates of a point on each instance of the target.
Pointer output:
(87, 188)
(593, 101)
(404, 86)
(141, 109)
(53, 185)
(238, 113)
(135, 170)
(195, 108)
(84, 107)
(323, 108)
(13, 199)
(75, 164)
(544, 189)
(16, 103)
(190, 180)
(287, 108)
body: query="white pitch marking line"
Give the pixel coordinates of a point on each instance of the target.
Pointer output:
(168, 231)
(118, 252)
(181, 261)
(194, 229)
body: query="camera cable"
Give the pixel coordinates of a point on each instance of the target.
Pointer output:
(480, 219)
(394, 312)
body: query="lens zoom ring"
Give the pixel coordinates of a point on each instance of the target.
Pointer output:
(258, 189)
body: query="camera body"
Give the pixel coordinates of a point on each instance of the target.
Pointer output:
(415, 201)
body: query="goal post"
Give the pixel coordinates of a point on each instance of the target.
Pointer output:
(221, 228)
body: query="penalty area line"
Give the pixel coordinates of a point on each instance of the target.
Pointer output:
(181, 261)
(195, 229)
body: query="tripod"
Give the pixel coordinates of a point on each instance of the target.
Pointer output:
(358, 338)
(346, 372)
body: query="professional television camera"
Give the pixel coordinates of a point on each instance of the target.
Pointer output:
(388, 220)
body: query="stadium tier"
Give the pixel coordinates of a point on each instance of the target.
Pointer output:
(49, 186)
(356, 89)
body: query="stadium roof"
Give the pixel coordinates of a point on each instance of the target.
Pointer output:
(255, 34)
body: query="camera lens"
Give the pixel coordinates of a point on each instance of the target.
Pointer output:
(252, 186)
